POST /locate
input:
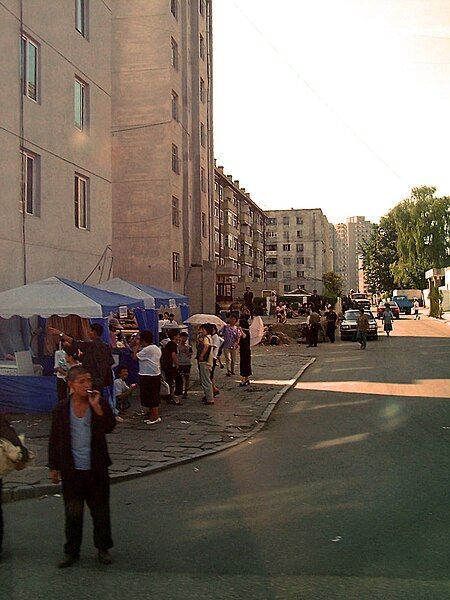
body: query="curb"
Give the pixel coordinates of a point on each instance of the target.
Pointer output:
(27, 492)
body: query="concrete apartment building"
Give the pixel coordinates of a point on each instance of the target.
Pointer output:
(351, 235)
(55, 132)
(299, 248)
(239, 239)
(162, 146)
(341, 254)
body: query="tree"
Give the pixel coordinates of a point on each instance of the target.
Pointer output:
(422, 224)
(333, 284)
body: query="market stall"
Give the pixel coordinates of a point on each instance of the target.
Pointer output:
(45, 299)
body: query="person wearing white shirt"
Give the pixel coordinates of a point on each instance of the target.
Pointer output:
(149, 357)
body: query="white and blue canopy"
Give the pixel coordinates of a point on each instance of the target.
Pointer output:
(153, 297)
(62, 297)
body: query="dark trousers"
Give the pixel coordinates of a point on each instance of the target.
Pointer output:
(1, 517)
(61, 389)
(331, 331)
(313, 334)
(80, 487)
(174, 379)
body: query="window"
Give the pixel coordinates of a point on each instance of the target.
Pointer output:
(80, 104)
(285, 220)
(271, 233)
(203, 224)
(235, 199)
(175, 108)
(80, 17)
(271, 247)
(202, 47)
(174, 58)
(216, 235)
(202, 90)
(299, 247)
(29, 58)
(30, 167)
(272, 260)
(271, 221)
(235, 222)
(176, 266)
(81, 202)
(235, 243)
(202, 135)
(272, 275)
(174, 8)
(202, 179)
(175, 211)
(286, 247)
(299, 221)
(286, 275)
(175, 159)
(220, 193)
(300, 260)
(300, 274)
(286, 236)
(299, 233)
(202, 7)
(287, 287)
(286, 261)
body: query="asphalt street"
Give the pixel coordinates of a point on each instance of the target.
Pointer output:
(344, 495)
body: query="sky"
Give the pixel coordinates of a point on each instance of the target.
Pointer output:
(338, 104)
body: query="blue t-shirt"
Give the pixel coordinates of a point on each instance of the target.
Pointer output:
(80, 432)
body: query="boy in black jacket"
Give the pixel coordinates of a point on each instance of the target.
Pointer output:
(78, 456)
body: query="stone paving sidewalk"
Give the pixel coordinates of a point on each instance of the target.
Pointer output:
(187, 432)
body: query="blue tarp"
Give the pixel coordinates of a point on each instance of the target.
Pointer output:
(27, 394)
(109, 301)
(161, 297)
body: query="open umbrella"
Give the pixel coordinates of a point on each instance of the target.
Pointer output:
(256, 331)
(201, 319)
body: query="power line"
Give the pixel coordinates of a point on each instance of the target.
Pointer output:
(314, 92)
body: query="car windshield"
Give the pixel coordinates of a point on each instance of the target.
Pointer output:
(352, 315)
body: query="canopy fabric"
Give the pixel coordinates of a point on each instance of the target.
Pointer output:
(120, 286)
(153, 297)
(62, 297)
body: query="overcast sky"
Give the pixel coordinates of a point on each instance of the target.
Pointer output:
(337, 104)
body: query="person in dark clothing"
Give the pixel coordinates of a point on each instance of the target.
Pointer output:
(313, 321)
(170, 366)
(315, 301)
(331, 317)
(97, 356)
(78, 456)
(8, 433)
(245, 353)
(248, 300)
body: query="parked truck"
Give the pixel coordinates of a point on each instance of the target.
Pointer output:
(404, 304)
(410, 294)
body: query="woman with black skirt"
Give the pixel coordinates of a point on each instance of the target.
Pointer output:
(245, 353)
(149, 357)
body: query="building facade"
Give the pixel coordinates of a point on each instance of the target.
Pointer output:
(162, 146)
(239, 237)
(55, 132)
(351, 236)
(299, 248)
(341, 254)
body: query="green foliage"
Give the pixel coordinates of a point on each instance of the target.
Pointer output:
(333, 284)
(412, 238)
(436, 299)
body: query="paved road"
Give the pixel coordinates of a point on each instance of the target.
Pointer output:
(343, 496)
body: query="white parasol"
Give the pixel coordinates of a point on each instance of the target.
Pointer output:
(256, 331)
(201, 319)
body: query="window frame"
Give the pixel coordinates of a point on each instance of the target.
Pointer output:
(81, 9)
(203, 179)
(176, 266)
(175, 211)
(174, 54)
(203, 225)
(77, 204)
(27, 156)
(201, 45)
(84, 87)
(202, 135)
(175, 106)
(174, 8)
(175, 159)
(202, 90)
(25, 43)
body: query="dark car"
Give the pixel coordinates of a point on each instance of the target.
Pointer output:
(394, 308)
(348, 325)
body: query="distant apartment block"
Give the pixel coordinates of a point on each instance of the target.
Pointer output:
(299, 248)
(350, 237)
(239, 236)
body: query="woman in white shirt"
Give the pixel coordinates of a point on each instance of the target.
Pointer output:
(149, 357)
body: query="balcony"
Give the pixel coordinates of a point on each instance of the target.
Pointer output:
(245, 218)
